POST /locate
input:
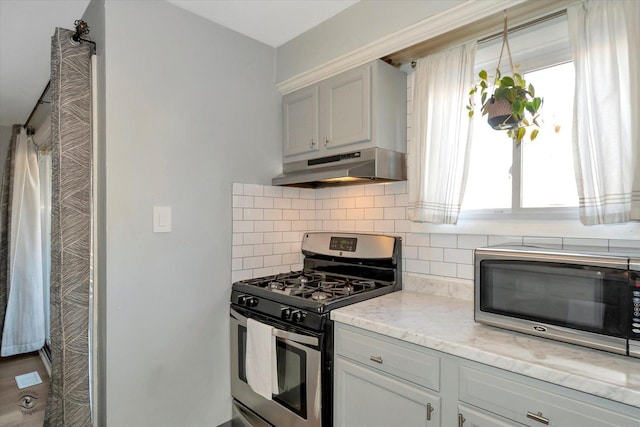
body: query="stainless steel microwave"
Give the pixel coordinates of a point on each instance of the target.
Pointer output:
(578, 296)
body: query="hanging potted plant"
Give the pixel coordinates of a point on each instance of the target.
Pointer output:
(513, 105)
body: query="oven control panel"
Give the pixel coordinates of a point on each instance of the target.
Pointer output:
(292, 314)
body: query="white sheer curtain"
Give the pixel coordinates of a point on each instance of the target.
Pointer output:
(605, 41)
(441, 135)
(43, 140)
(24, 326)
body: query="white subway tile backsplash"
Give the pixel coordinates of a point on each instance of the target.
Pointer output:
(465, 271)
(600, 243)
(458, 256)
(443, 269)
(243, 226)
(263, 202)
(444, 240)
(374, 213)
(272, 191)
(290, 193)
(273, 237)
(242, 201)
(472, 241)
(347, 203)
(282, 203)
(364, 226)
(385, 201)
(272, 260)
(250, 214)
(272, 214)
(252, 238)
(394, 213)
(355, 214)
(269, 222)
(504, 240)
(291, 214)
(403, 226)
(253, 190)
(237, 188)
(418, 239)
(346, 225)
(374, 190)
(263, 226)
(299, 226)
(402, 200)
(542, 241)
(384, 226)
(263, 249)
(417, 266)
(252, 262)
(431, 254)
(365, 202)
(399, 187)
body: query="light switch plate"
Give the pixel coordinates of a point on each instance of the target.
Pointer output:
(162, 219)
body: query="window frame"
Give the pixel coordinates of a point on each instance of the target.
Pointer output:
(553, 50)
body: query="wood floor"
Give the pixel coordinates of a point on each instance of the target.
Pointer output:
(22, 408)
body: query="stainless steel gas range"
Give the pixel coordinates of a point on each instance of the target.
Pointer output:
(281, 333)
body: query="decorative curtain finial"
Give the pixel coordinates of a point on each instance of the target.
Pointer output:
(82, 29)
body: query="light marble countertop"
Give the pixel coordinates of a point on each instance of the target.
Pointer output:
(446, 324)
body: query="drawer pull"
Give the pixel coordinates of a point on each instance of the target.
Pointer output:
(377, 359)
(538, 417)
(461, 420)
(429, 411)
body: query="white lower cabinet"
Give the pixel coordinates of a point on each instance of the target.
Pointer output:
(386, 382)
(370, 398)
(468, 416)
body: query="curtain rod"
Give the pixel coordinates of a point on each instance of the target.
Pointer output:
(40, 102)
(525, 25)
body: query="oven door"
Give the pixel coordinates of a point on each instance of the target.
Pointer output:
(298, 371)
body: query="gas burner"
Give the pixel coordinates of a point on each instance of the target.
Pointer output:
(320, 295)
(279, 286)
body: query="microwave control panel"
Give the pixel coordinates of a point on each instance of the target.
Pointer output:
(635, 304)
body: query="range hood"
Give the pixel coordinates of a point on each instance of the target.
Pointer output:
(355, 167)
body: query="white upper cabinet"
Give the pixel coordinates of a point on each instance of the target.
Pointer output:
(346, 108)
(300, 113)
(361, 108)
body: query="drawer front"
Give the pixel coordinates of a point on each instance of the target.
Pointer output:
(469, 416)
(398, 359)
(371, 398)
(531, 405)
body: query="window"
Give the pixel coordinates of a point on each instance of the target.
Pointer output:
(534, 178)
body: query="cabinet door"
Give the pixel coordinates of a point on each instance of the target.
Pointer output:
(471, 417)
(368, 398)
(346, 108)
(300, 121)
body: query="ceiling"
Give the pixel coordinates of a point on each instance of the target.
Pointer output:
(26, 27)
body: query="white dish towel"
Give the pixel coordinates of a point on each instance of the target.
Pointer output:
(261, 362)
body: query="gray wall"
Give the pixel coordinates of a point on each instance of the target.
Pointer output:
(363, 23)
(189, 108)
(5, 138)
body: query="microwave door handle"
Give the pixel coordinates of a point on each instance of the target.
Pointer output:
(291, 336)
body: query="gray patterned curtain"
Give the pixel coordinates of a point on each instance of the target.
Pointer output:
(69, 392)
(5, 224)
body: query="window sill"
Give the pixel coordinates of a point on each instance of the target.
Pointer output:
(500, 225)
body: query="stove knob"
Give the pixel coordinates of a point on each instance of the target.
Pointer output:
(252, 302)
(242, 300)
(285, 313)
(298, 316)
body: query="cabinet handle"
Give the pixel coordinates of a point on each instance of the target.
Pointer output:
(461, 420)
(326, 142)
(312, 143)
(538, 417)
(429, 411)
(377, 359)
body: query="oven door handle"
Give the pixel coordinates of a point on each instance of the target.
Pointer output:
(280, 333)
